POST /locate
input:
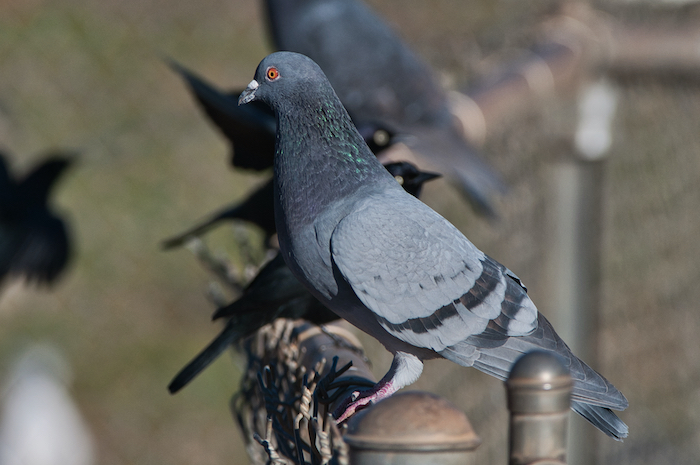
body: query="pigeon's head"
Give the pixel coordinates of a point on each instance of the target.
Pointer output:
(285, 76)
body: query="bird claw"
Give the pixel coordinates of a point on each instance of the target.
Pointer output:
(357, 401)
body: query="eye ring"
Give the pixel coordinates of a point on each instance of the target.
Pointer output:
(272, 73)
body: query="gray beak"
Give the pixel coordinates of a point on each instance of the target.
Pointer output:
(248, 95)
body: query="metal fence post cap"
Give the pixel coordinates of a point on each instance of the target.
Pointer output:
(412, 422)
(539, 381)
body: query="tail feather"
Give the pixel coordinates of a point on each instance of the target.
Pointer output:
(198, 230)
(227, 336)
(602, 418)
(592, 396)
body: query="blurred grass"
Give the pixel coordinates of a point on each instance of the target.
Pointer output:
(88, 75)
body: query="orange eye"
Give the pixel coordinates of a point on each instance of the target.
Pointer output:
(272, 73)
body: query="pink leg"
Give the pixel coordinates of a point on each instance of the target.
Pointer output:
(405, 369)
(361, 399)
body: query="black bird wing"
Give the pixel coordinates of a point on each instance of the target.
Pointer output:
(34, 189)
(249, 128)
(274, 293)
(35, 242)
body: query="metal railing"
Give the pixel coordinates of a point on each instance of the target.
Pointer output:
(291, 386)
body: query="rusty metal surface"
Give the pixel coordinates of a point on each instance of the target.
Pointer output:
(411, 428)
(415, 421)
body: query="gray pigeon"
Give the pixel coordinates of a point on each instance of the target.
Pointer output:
(380, 80)
(276, 293)
(388, 263)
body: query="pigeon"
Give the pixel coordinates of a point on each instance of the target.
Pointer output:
(34, 240)
(251, 129)
(388, 263)
(276, 293)
(380, 80)
(258, 208)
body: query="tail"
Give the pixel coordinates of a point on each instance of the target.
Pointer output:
(199, 229)
(602, 418)
(227, 337)
(592, 396)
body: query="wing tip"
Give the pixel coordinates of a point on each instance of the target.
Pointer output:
(602, 418)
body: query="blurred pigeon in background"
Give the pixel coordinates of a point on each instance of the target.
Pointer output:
(277, 293)
(34, 241)
(380, 81)
(388, 263)
(40, 422)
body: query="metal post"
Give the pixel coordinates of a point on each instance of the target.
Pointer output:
(410, 428)
(539, 396)
(575, 266)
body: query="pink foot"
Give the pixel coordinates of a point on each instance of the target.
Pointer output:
(359, 400)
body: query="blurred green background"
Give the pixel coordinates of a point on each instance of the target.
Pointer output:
(88, 75)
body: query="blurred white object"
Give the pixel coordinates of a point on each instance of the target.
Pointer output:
(40, 423)
(597, 106)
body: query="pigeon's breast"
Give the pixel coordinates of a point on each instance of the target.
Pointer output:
(305, 244)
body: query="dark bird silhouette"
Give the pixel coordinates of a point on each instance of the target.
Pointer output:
(34, 241)
(251, 131)
(380, 80)
(387, 262)
(258, 208)
(277, 293)
(274, 293)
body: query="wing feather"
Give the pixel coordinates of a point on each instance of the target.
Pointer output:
(424, 281)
